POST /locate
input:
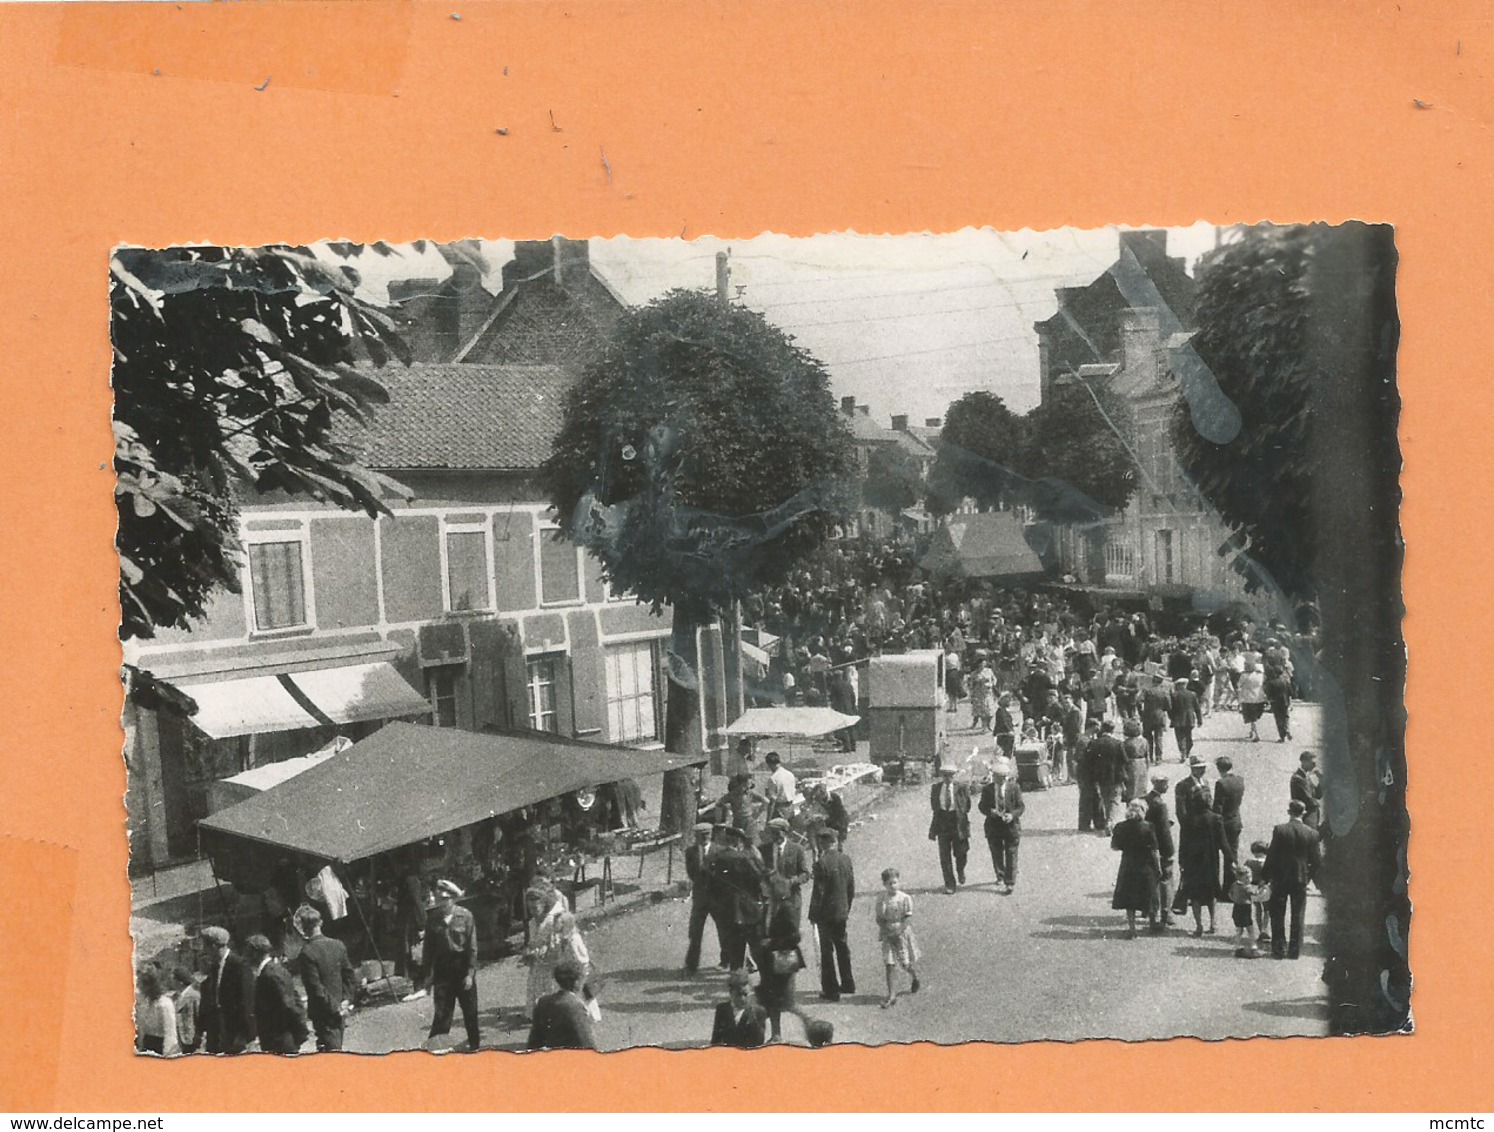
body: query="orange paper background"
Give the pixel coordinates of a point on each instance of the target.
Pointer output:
(380, 120)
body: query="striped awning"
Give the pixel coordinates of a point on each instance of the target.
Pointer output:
(294, 701)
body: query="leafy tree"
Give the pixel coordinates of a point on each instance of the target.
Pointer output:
(894, 481)
(1299, 329)
(1076, 465)
(231, 366)
(700, 458)
(979, 447)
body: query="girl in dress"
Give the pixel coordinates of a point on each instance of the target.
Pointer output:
(894, 912)
(569, 944)
(540, 954)
(155, 1015)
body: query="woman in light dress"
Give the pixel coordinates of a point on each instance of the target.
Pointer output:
(155, 1015)
(569, 945)
(894, 912)
(545, 907)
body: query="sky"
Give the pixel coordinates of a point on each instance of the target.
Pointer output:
(905, 324)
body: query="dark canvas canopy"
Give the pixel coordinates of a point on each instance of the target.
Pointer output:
(408, 782)
(986, 545)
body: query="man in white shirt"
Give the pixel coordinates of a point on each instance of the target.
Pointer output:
(783, 787)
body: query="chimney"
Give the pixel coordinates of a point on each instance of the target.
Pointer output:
(1141, 344)
(933, 422)
(900, 422)
(572, 260)
(1146, 245)
(848, 406)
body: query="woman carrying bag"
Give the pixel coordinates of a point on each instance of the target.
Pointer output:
(779, 960)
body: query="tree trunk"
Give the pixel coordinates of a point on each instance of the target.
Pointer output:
(682, 722)
(1356, 497)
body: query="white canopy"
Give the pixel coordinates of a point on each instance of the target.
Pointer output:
(790, 722)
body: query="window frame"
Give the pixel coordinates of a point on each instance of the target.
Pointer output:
(468, 527)
(296, 531)
(652, 647)
(432, 674)
(547, 528)
(548, 661)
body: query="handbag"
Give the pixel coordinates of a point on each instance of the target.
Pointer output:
(787, 962)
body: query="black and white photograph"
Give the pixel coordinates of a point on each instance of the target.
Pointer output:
(595, 643)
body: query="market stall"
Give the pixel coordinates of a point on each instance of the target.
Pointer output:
(411, 803)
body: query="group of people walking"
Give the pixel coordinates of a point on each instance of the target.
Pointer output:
(247, 998)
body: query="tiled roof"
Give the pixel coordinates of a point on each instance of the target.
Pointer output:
(911, 443)
(461, 416)
(866, 430)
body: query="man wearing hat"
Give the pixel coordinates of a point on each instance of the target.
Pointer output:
(449, 963)
(1156, 703)
(327, 974)
(279, 1017)
(737, 886)
(1161, 822)
(1001, 802)
(1107, 760)
(1291, 861)
(788, 868)
(1185, 714)
(1190, 799)
(829, 909)
(949, 825)
(1306, 786)
(227, 996)
(698, 869)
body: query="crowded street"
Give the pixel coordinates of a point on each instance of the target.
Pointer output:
(1049, 962)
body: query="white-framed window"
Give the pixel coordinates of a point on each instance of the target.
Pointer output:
(633, 707)
(467, 565)
(441, 691)
(278, 573)
(560, 568)
(543, 673)
(1120, 556)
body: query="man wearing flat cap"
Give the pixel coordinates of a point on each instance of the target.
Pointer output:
(227, 996)
(788, 869)
(702, 906)
(1167, 851)
(829, 909)
(449, 963)
(949, 825)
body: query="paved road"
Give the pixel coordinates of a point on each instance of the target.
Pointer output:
(1049, 961)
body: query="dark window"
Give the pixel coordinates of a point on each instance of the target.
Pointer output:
(440, 689)
(560, 581)
(542, 676)
(278, 585)
(467, 570)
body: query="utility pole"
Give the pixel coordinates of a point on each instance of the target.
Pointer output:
(723, 277)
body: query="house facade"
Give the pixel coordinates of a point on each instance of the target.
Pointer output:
(1127, 332)
(461, 609)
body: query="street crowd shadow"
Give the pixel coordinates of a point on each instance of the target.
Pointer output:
(1200, 951)
(1309, 1007)
(649, 975)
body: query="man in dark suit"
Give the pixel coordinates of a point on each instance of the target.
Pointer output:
(1306, 786)
(1185, 713)
(227, 997)
(278, 1014)
(1229, 792)
(1001, 802)
(738, 885)
(829, 908)
(788, 862)
(739, 1022)
(449, 963)
(1156, 706)
(698, 869)
(949, 825)
(1107, 763)
(1291, 861)
(327, 974)
(1161, 822)
(560, 1018)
